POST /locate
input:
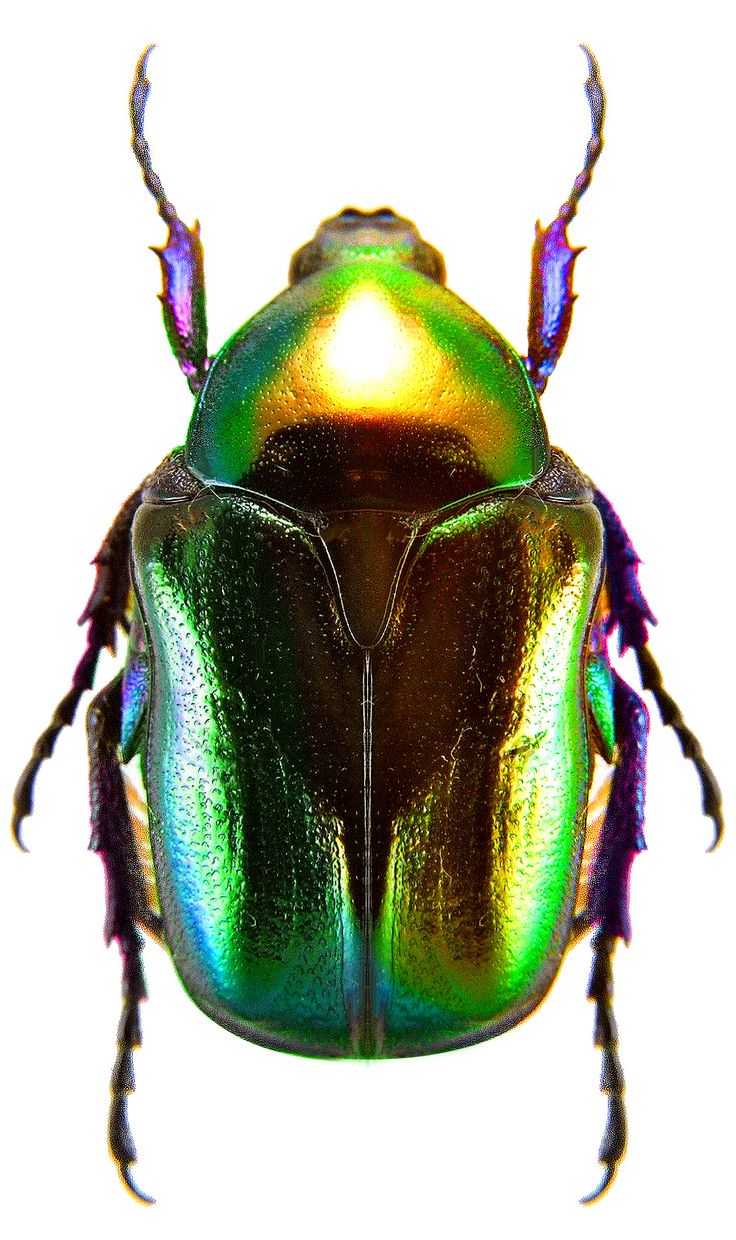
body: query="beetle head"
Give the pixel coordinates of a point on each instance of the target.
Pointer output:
(367, 235)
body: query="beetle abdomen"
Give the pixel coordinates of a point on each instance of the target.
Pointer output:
(367, 850)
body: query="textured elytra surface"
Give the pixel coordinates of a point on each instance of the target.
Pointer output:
(367, 852)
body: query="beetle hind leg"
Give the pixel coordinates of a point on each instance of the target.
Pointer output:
(605, 1037)
(621, 838)
(122, 1081)
(127, 909)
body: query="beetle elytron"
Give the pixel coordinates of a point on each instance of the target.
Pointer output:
(367, 677)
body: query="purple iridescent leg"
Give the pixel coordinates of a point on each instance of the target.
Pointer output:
(551, 297)
(112, 838)
(622, 837)
(105, 611)
(630, 614)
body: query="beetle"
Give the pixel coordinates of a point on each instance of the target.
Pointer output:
(368, 610)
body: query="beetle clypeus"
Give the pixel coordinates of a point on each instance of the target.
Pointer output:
(367, 679)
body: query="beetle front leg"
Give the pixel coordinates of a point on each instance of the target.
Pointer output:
(551, 298)
(127, 908)
(182, 258)
(106, 609)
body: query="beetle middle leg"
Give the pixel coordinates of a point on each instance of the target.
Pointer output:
(630, 614)
(127, 907)
(106, 609)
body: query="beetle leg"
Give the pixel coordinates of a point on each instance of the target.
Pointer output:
(112, 838)
(553, 258)
(623, 830)
(671, 716)
(630, 613)
(182, 258)
(622, 837)
(605, 1037)
(105, 610)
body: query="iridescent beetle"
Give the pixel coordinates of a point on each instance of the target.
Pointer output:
(367, 674)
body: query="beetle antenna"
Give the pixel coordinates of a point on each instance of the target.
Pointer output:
(138, 98)
(182, 259)
(553, 258)
(597, 102)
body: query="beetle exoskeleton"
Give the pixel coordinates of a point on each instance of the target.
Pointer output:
(367, 678)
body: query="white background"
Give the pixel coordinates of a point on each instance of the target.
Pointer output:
(472, 122)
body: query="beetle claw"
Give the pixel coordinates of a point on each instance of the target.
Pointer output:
(609, 1176)
(15, 828)
(132, 1187)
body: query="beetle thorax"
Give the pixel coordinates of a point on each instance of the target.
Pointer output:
(361, 375)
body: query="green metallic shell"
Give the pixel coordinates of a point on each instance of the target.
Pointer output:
(367, 761)
(363, 345)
